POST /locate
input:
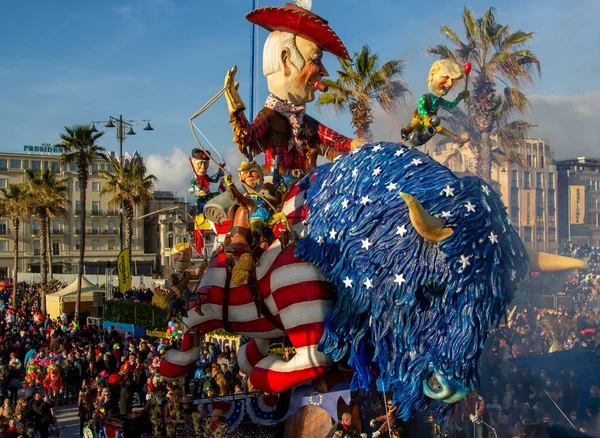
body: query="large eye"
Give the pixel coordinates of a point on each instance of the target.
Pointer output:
(434, 289)
(437, 387)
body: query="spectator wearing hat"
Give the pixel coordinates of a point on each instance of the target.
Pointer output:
(216, 427)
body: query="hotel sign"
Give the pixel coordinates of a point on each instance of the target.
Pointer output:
(44, 147)
(527, 208)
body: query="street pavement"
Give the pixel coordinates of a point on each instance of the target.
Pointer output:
(67, 417)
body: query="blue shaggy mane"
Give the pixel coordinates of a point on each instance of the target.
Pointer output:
(384, 320)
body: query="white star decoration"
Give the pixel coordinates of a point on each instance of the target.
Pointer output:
(470, 207)
(354, 172)
(377, 148)
(401, 230)
(339, 177)
(332, 233)
(365, 200)
(327, 207)
(399, 279)
(446, 214)
(368, 283)
(485, 190)
(348, 282)
(513, 274)
(320, 240)
(399, 152)
(345, 203)
(464, 261)
(376, 171)
(416, 161)
(493, 237)
(366, 244)
(448, 191)
(391, 186)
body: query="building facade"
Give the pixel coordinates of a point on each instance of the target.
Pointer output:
(102, 223)
(580, 221)
(528, 191)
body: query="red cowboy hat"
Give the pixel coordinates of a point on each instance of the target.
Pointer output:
(301, 22)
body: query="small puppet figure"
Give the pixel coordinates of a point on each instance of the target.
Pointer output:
(178, 281)
(425, 123)
(385, 421)
(200, 185)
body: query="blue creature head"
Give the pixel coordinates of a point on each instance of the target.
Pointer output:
(424, 264)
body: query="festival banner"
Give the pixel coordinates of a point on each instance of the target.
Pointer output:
(234, 341)
(577, 205)
(527, 208)
(124, 270)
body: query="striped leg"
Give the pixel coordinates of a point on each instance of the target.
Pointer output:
(252, 353)
(303, 306)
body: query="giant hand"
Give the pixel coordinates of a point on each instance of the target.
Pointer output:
(234, 101)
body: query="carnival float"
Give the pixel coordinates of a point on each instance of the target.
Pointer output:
(383, 269)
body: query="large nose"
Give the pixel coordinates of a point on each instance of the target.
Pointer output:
(450, 82)
(322, 70)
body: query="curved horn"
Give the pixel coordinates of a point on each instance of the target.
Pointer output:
(429, 227)
(543, 261)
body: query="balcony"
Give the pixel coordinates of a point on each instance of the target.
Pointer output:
(104, 232)
(5, 232)
(112, 213)
(57, 232)
(77, 212)
(35, 232)
(96, 213)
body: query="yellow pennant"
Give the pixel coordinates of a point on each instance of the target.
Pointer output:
(124, 270)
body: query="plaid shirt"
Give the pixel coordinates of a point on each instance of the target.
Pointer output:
(288, 159)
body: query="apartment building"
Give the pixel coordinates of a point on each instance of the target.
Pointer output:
(528, 190)
(102, 222)
(579, 192)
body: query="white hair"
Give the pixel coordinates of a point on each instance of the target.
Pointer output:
(276, 43)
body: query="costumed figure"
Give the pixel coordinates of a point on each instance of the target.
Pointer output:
(292, 63)
(385, 422)
(200, 185)
(178, 282)
(53, 383)
(156, 408)
(34, 376)
(216, 427)
(425, 123)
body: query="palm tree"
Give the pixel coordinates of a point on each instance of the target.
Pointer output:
(51, 194)
(360, 85)
(16, 205)
(499, 56)
(129, 186)
(79, 143)
(55, 208)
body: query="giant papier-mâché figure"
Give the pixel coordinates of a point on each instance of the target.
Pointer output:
(292, 64)
(425, 123)
(401, 271)
(178, 283)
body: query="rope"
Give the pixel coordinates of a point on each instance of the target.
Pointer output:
(387, 417)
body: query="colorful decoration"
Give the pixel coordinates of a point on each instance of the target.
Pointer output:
(426, 253)
(34, 376)
(178, 281)
(53, 383)
(425, 121)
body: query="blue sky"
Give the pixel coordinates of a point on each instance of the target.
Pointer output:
(70, 62)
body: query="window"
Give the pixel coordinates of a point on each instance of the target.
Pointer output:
(55, 166)
(77, 245)
(96, 207)
(95, 227)
(3, 245)
(36, 165)
(3, 183)
(25, 164)
(526, 180)
(94, 169)
(44, 165)
(73, 167)
(15, 164)
(527, 234)
(95, 186)
(514, 179)
(111, 245)
(539, 235)
(3, 165)
(3, 227)
(77, 207)
(95, 245)
(552, 236)
(111, 227)
(76, 186)
(36, 247)
(539, 180)
(78, 226)
(55, 248)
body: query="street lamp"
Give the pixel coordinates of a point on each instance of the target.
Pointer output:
(121, 125)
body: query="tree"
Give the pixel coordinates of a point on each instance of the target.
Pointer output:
(79, 144)
(498, 55)
(360, 85)
(51, 195)
(17, 206)
(129, 186)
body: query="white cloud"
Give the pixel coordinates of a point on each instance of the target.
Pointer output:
(568, 122)
(173, 171)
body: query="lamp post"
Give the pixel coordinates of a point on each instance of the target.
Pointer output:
(121, 125)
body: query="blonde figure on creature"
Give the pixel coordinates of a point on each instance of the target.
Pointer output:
(292, 64)
(443, 75)
(178, 281)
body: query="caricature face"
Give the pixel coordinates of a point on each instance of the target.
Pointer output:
(200, 166)
(252, 178)
(292, 84)
(440, 83)
(182, 260)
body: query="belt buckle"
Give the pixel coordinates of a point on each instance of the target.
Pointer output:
(297, 173)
